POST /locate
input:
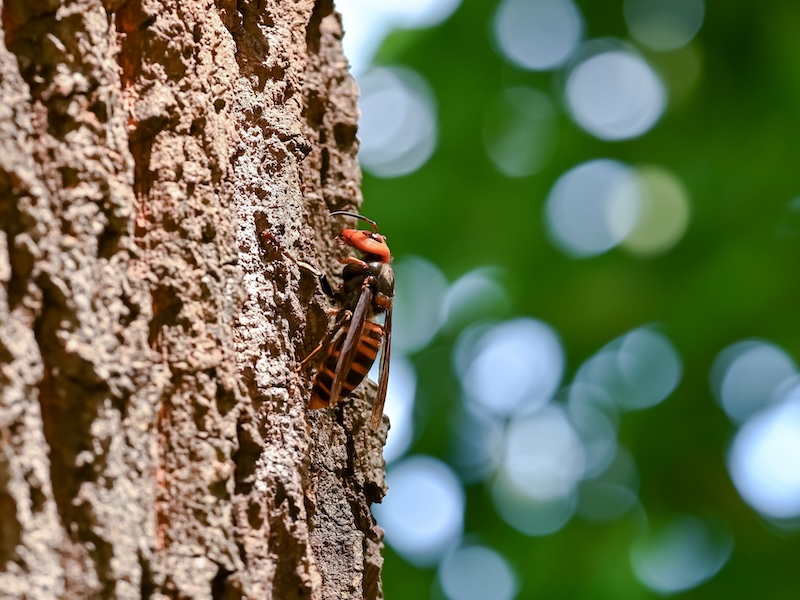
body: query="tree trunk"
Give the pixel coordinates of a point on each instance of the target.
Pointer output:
(154, 437)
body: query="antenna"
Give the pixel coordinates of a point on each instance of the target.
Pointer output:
(357, 216)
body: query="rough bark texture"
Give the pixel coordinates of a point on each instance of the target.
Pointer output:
(154, 440)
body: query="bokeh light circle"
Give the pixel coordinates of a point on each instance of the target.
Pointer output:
(417, 311)
(544, 457)
(511, 367)
(664, 24)
(600, 204)
(476, 573)
(746, 375)
(582, 203)
(479, 440)
(596, 429)
(417, 14)
(612, 493)
(588, 390)
(615, 95)
(681, 555)
(662, 212)
(398, 127)
(399, 406)
(473, 296)
(423, 516)
(764, 460)
(637, 370)
(368, 22)
(520, 131)
(531, 517)
(650, 367)
(538, 34)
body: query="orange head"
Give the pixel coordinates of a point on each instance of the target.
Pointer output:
(369, 243)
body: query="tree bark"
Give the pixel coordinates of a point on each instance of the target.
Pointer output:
(154, 437)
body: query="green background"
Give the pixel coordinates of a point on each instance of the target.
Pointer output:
(732, 140)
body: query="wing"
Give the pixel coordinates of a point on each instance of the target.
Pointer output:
(383, 378)
(350, 346)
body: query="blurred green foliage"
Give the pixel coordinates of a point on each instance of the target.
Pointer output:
(732, 137)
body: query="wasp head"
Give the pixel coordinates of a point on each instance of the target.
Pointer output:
(368, 243)
(371, 244)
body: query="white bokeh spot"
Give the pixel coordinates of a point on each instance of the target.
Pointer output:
(538, 34)
(615, 95)
(397, 129)
(423, 516)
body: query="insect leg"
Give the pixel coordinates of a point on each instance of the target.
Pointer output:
(352, 260)
(350, 346)
(342, 319)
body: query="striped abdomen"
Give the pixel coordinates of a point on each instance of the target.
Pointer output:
(368, 346)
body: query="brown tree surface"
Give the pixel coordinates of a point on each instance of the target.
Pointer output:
(154, 440)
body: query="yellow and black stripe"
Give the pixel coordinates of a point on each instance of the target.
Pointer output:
(368, 345)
